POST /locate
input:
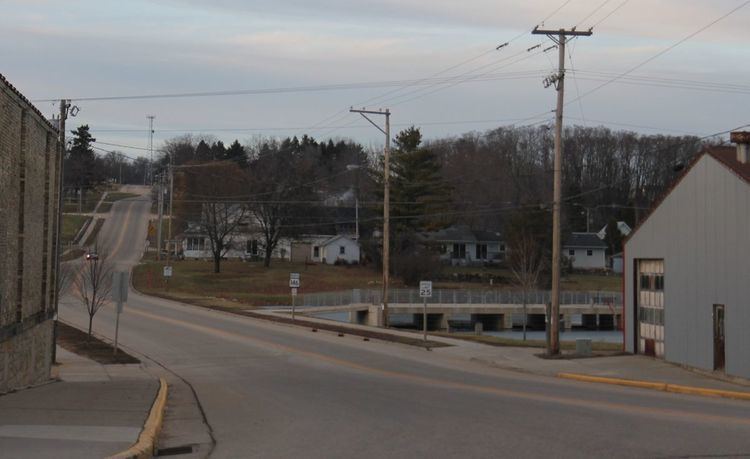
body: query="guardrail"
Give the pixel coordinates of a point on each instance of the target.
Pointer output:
(458, 296)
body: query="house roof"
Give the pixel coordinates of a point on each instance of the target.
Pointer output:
(13, 89)
(462, 233)
(336, 238)
(728, 157)
(585, 240)
(725, 155)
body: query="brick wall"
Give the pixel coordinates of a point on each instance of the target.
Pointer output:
(29, 170)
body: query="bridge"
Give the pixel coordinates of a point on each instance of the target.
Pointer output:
(494, 309)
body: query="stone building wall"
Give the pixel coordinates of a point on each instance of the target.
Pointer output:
(29, 170)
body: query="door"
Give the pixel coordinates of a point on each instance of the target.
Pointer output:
(718, 337)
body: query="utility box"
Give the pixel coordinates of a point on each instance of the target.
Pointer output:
(583, 346)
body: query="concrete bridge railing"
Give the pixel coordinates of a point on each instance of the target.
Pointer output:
(460, 296)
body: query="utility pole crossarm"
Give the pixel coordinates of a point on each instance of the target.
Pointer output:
(570, 33)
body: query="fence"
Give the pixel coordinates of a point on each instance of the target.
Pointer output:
(457, 296)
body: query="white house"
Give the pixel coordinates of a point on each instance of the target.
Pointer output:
(337, 248)
(687, 264)
(460, 245)
(585, 250)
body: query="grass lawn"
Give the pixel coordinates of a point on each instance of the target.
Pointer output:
(504, 279)
(70, 226)
(247, 284)
(112, 198)
(90, 199)
(499, 341)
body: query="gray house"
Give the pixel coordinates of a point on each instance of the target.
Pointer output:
(687, 295)
(460, 245)
(586, 251)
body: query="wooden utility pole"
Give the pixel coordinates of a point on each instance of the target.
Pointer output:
(64, 106)
(558, 80)
(386, 201)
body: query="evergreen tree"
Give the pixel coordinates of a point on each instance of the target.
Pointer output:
(419, 194)
(236, 152)
(218, 151)
(80, 162)
(203, 152)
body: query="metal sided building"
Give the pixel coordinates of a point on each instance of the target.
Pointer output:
(687, 267)
(29, 195)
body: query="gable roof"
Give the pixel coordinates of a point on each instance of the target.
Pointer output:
(463, 233)
(585, 241)
(724, 155)
(336, 238)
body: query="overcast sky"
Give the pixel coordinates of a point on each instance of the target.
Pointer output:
(92, 48)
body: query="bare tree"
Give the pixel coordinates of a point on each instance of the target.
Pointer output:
(281, 176)
(207, 195)
(220, 221)
(526, 263)
(93, 282)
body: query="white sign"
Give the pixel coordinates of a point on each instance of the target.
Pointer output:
(120, 284)
(294, 291)
(425, 289)
(167, 271)
(294, 280)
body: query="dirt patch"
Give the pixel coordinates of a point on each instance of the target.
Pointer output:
(77, 341)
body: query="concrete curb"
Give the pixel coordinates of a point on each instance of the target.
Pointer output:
(146, 444)
(662, 386)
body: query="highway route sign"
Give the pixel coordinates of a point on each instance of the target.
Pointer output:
(294, 280)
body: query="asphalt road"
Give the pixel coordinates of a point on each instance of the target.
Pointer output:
(278, 391)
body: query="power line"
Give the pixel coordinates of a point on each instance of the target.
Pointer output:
(662, 52)
(616, 9)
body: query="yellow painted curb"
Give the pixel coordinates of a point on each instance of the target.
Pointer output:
(620, 382)
(658, 386)
(144, 447)
(708, 392)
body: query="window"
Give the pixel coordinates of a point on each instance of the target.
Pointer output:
(481, 251)
(342, 250)
(252, 247)
(589, 253)
(645, 282)
(459, 250)
(196, 243)
(659, 282)
(316, 252)
(502, 247)
(571, 252)
(653, 316)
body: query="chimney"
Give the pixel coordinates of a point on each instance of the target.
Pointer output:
(742, 139)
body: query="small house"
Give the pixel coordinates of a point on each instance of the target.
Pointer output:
(461, 245)
(585, 251)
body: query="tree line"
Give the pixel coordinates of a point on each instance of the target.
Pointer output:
(481, 179)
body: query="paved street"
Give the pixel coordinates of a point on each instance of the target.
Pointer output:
(271, 390)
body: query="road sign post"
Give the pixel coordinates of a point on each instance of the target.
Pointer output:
(120, 283)
(425, 291)
(294, 284)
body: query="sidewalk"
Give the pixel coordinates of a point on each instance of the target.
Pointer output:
(522, 359)
(93, 411)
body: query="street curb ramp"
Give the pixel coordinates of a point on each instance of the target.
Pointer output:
(146, 444)
(661, 386)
